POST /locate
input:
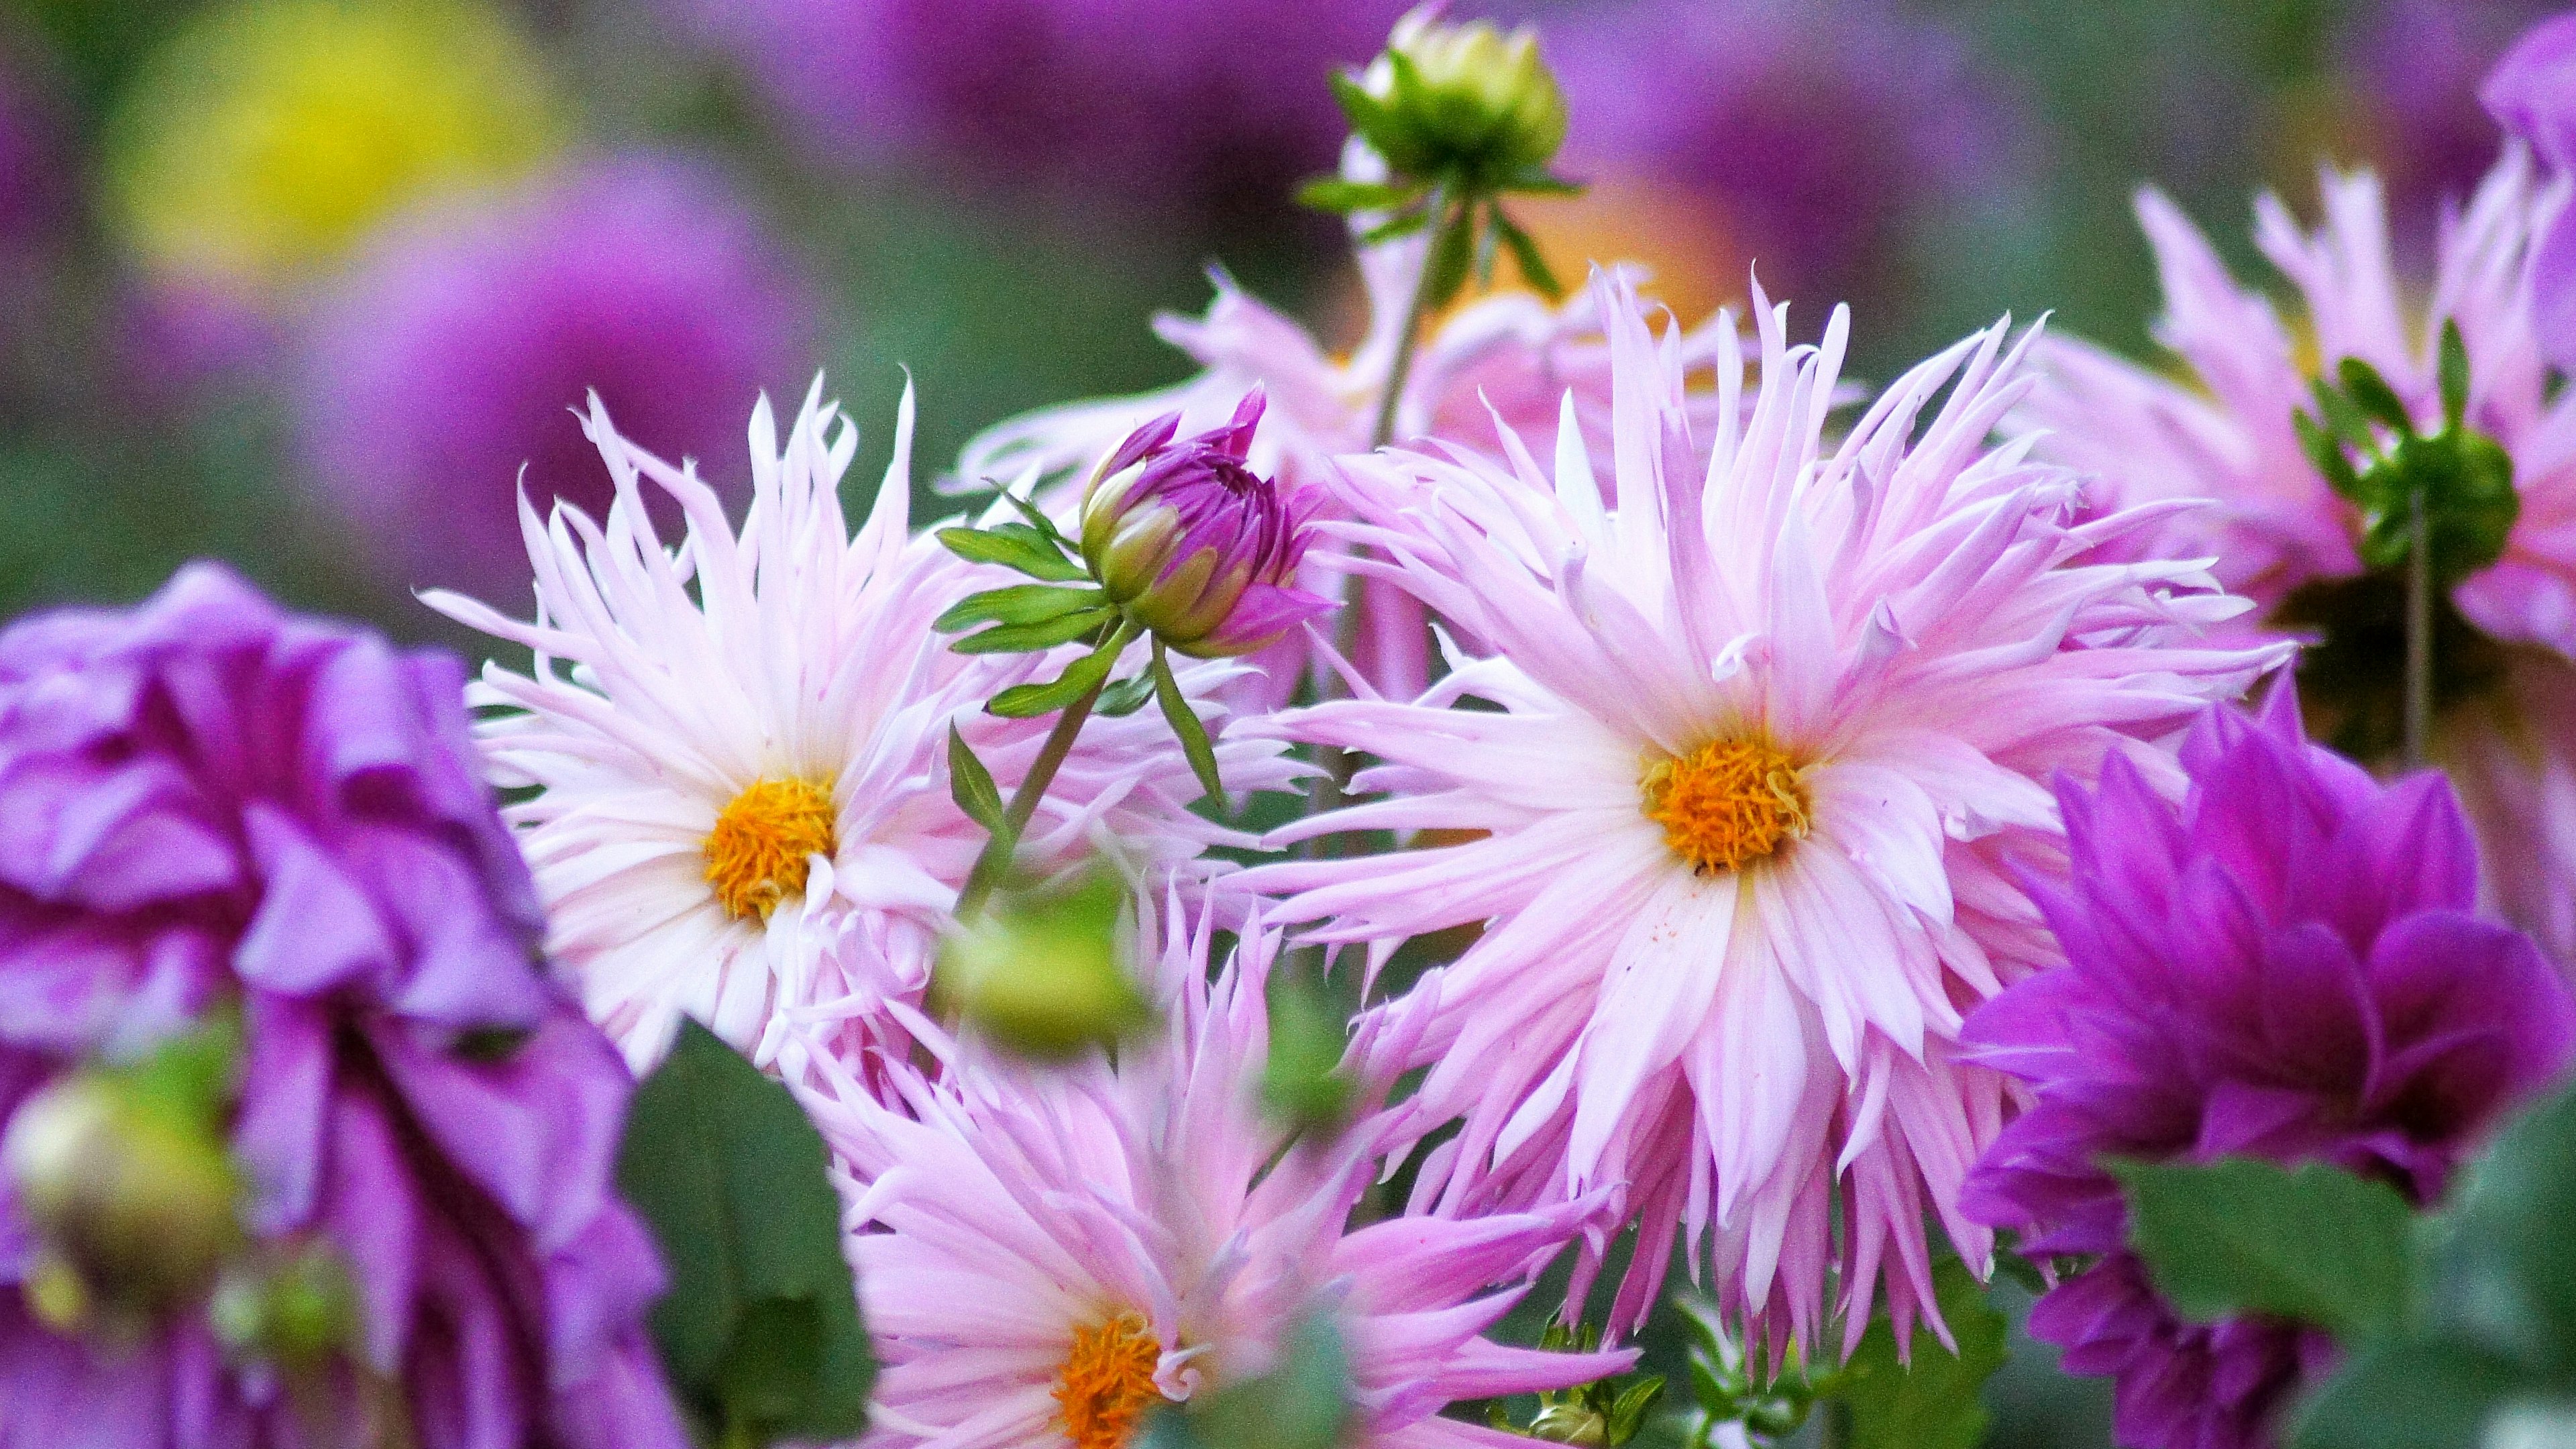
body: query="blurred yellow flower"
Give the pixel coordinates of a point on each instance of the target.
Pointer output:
(265, 140)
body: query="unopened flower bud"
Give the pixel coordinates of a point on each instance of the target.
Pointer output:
(134, 1202)
(1192, 543)
(1477, 102)
(1045, 975)
(294, 1308)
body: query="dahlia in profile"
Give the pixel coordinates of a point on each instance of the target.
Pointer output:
(1763, 738)
(1510, 356)
(738, 747)
(2503, 685)
(2286, 964)
(1046, 1256)
(297, 1144)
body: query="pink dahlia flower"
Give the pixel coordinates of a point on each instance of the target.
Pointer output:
(1510, 357)
(2284, 964)
(227, 818)
(1763, 739)
(1044, 1256)
(738, 747)
(2504, 684)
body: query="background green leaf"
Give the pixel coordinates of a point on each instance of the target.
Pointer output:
(1933, 1401)
(2240, 1235)
(760, 1330)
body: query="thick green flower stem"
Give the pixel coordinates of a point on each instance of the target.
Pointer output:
(995, 862)
(1409, 341)
(2419, 632)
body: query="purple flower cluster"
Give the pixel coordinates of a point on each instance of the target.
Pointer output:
(217, 810)
(2286, 965)
(2532, 93)
(452, 360)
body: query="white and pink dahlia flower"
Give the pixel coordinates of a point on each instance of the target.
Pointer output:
(1760, 742)
(2505, 641)
(735, 748)
(1046, 1255)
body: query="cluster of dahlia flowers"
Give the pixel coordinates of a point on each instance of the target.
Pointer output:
(1741, 820)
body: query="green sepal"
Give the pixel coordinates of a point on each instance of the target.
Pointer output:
(1027, 701)
(2454, 373)
(1126, 696)
(1185, 723)
(1017, 604)
(1403, 223)
(1453, 255)
(2325, 453)
(2469, 502)
(2371, 393)
(1539, 181)
(1525, 255)
(1022, 549)
(1039, 637)
(971, 785)
(1342, 197)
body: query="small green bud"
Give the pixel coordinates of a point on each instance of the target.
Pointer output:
(295, 1310)
(1463, 100)
(1045, 974)
(131, 1199)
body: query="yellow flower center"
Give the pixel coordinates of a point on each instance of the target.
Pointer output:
(757, 854)
(1726, 803)
(1107, 1382)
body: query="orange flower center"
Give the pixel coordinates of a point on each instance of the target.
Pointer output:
(757, 854)
(1726, 803)
(1108, 1382)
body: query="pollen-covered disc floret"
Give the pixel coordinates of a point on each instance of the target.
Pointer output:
(735, 748)
(1726, 803)
(764, 843)
(1107, 1382)
(1046, 1253)
(1764, 726)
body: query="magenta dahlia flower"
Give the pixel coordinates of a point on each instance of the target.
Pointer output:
(221, 812)
(2505, 643)
(2532, 92)
(445, 374)
(737, 745)
(1764, 736)
(2287, 964)
(1044, 1256)
(1195, 545)
(1507, 360)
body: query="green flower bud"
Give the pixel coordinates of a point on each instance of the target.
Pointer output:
(296, 1310)
(1463, 99)
(132, 1201)
(1046, 975)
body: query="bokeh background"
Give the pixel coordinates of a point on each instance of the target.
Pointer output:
(311, 285)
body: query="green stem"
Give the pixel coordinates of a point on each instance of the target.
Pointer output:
(1833, 1425)
(995, 861)
(2419, 632)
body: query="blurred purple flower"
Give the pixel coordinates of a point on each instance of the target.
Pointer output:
(2411, 68)
(2287, 965)
(1814, 132)
(2532, 92)
(215, 807)
(464, 344)
(1220, 105)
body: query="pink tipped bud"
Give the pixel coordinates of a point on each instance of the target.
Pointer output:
(1192, 543)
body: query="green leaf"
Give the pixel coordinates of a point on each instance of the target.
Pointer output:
(2503, 1257)
(2372, 394)
(1525, 255)
(971, 785)
(1027, 701)
(2454, 372)
(1185, 723)
(1039, 637)
(1015, 551)
(1126, 696)
(1628, 1413)
(2240, 1235)
(760, 1330)
(1301, 1080)
(1932, 1402)
(1018, 604)
(1453, 254)
(1304, 1403)
(1334, 194)
(2407, 1395)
